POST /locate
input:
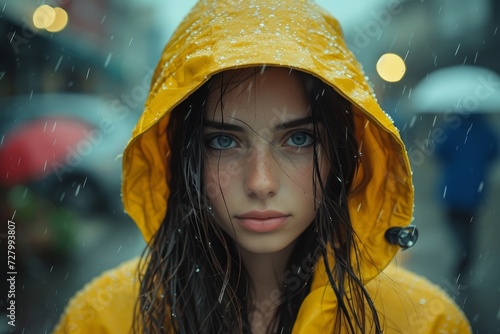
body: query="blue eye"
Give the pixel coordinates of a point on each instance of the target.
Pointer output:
(300, 139)
(221, 142)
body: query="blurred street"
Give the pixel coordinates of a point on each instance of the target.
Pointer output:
(46, 285)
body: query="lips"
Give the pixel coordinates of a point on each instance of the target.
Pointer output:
(262, 221)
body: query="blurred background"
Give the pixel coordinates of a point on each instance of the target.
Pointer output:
(74, 75)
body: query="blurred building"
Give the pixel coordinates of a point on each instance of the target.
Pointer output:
(106, 46)
(428, 35)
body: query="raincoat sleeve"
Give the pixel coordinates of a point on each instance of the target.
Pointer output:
(409, 303)
(105, 305)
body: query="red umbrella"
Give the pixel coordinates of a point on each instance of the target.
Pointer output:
(28, 151)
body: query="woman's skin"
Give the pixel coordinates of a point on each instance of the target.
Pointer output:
(259, 172)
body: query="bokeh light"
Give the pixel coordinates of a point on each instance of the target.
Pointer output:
(44, 16)
(60, 20)
(391, 67)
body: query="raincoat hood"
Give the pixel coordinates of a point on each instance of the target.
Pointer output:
(221, 35)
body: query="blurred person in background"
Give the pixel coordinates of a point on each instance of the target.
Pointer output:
(468, 148)
(256, 176)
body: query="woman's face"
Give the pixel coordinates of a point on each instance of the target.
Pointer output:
(259, 165)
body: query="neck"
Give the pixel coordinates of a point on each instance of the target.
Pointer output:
(265, 275)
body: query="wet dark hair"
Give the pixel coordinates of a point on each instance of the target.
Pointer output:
(192, 279)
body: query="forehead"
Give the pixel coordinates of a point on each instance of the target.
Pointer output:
(257, 94)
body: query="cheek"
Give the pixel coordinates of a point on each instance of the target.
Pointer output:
(300, 174)
(303, 175)
(219, 178)
(212, 186)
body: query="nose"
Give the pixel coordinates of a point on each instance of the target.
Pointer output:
(262, 174)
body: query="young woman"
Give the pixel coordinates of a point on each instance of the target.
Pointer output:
(272, 190)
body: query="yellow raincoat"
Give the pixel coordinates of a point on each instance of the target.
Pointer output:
(228, 34)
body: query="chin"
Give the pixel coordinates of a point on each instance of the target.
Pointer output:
(264, 246)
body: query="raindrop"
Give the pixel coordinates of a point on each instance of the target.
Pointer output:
(12, 37)
(406, 55)
(62, 196)
(119, 249)
(51, 268)
(4, 5)
(84, 182)
(103, 19)
(54, 127)
(458, 48)
(444, 192)
(422, 301)
(480, 188)
(130, 42)
(108, 59)
(88, 72)
(58, 63)
(475, 58)
(197, 269)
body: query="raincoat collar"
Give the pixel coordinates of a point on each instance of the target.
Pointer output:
(221, 35)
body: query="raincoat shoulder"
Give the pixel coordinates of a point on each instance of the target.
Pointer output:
(105, 305)
(409, 303)
(406, 303)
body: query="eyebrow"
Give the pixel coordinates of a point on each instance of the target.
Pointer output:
(294, 123)
(282, 126)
